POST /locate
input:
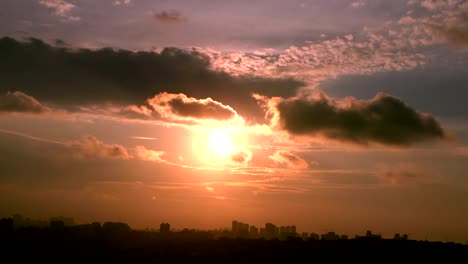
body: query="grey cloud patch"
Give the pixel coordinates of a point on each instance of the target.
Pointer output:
(171, 16)
(18, 102)
(94, 77)
(180, 106)
(241, 156)
(456, 35)
(289, 159)
(383, 119)
(91, 147)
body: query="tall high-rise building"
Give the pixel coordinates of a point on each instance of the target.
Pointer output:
(253, 232)
(164, 228)
(234, 226)
(293, 229)
(271, 231)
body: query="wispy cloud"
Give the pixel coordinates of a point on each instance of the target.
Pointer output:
(144, 138)
(405, 174)
(26, 136)
(170, 16)
(289, 159)
(149, 155)
(121, 2)
(61, 8)
(358, 4)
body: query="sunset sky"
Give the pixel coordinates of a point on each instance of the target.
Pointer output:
(332, 115)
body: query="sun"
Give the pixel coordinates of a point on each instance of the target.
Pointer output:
(220, 143)
(215, 147)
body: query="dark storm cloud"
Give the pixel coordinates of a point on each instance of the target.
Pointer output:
(18, 102)
(71, 77)
(177, 106)
(383, 119)
(170, 16)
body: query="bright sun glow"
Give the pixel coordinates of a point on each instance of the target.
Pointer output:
(215, 147)
(220, 143)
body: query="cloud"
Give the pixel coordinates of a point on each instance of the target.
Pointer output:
(171, 16)
(455, 32)
(210, 189)
(446, 23)
(18, 102)
(148, 155)
(121, 2)
(90, 148)
(136, 112)
(61, 8)
(358, 4)
(384, 119)
(242, 156)
(126, 77)
(434, 5)
(144, 138)
(313, 62)
(181, 107)
(404, 174)
(291, 160)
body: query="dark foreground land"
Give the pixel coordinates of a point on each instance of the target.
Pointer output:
(90, 245)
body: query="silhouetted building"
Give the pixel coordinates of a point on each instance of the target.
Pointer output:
(314, 236)
(271, 231)
(330, 236)
(369, 235)
(305, 236)
(286, 232)
(234, 227)
(240, 229)
(164, 228)
(6, 225)
(400, 237)
(115, 227)
(67, 221)
(56, 224)
(253, 232)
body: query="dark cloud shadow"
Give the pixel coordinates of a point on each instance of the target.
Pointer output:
(383, 119)
(75, 77)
